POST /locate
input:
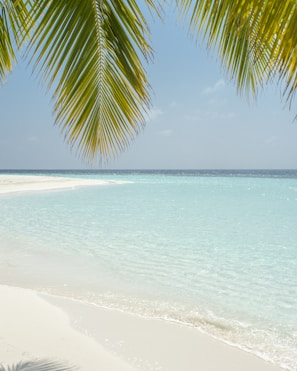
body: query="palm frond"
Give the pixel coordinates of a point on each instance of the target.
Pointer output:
(230, 28)
(39, 365)
(285, 47)
(254, 39)
(15, 24)
(91, 52)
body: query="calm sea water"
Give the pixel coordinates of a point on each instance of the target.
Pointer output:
(212, 249)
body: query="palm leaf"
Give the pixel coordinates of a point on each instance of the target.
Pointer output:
(255, 40)
(230, 27)
(39, 365)
(91, 53)
(285, 46)
(15, 24)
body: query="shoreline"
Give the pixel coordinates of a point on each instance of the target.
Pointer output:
(42, 326)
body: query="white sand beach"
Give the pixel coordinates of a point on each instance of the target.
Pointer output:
(31, 183)
(38, 326)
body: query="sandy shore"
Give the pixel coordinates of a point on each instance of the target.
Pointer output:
(31, 183)
(31, 328)
(38, 326)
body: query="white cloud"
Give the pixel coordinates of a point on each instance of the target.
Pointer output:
(193, 117)
(212, 101)
(153, 114)
(220, 115)
(270, 140)
(173, 104)
(32, 139)
(165, 133)
(209, 115)
(219, 85)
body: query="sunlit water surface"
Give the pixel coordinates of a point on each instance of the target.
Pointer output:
(213, 250)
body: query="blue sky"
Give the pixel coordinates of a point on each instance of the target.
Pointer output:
(197, 121)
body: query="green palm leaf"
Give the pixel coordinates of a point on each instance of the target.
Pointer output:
(230, 27)
(255, 40)
(93, 50)
(14, 26)
(285, 46)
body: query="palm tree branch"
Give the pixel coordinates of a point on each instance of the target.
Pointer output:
(90, 53)
(15, 23)
(254, 39)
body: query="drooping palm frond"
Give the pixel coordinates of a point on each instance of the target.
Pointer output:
(14, 26)
(284, 51)
(255, 39)
(91, 53)
(39, 365)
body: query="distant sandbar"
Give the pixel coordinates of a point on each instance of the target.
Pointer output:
(33, 183)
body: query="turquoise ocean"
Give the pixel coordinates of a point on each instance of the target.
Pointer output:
(215, 250)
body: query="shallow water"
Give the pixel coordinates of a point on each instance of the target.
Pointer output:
(213, 250)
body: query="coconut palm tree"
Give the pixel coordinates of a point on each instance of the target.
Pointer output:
(91, 54)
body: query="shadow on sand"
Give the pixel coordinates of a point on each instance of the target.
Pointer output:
(39, 365)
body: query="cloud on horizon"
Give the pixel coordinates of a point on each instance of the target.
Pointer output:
(209, 115)
(32, 139)
(153, 114)
(165, 133)
(219, 85)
